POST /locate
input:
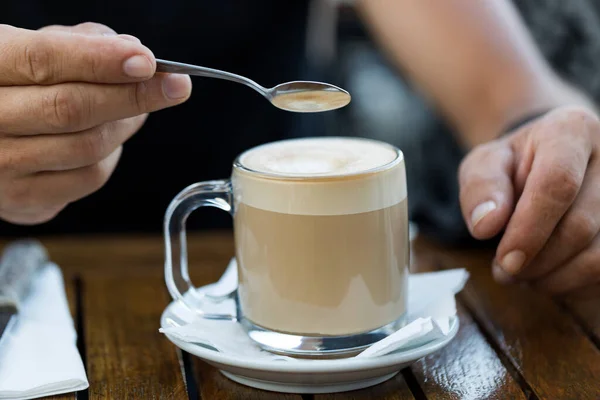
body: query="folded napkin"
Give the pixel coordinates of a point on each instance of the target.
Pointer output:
(38, 355)
(431, 305)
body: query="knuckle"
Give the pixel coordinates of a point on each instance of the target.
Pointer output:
(581, 114)
(471, 164)
(579, 117)
(562, 185)
(54, 27)
(36, 62)
(64, 107)
(92, 27)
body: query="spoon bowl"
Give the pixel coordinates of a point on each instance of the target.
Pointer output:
(295, 96)
(307, 96)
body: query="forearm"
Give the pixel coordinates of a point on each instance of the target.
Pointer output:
(474, 60)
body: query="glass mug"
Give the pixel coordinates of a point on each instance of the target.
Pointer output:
(321, 243)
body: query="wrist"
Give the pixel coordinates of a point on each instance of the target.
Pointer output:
(506, 113)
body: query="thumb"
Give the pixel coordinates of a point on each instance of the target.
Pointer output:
(486, 189)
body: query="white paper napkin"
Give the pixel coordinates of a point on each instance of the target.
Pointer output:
(431, 305)
(38, 355)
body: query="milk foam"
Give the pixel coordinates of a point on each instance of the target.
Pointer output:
(318, 157)
(321, 176)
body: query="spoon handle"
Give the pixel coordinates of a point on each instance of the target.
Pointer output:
(181, 68)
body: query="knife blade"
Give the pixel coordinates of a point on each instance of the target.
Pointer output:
(19, 262)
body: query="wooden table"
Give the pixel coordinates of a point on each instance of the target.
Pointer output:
(513, 343)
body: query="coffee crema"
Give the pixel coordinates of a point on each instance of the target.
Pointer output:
(321, 231)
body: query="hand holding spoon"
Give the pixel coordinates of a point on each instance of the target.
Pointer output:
(297, 96)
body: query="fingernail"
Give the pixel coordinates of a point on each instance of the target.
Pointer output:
(513, 261)
(130, 38)
(481, 211)
(138, 67)
(109, 34)
(176, 86)
(500, 275)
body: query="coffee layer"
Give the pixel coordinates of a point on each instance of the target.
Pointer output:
(322, 275)
(321, 176)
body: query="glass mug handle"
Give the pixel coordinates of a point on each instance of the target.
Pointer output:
(204, 194)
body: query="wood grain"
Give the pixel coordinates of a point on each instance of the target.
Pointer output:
(587, 313)
(126, 355)
(71, 293)
(136, 255)
(467, 368)
(541, 341)
(214, 385)
(393, 389)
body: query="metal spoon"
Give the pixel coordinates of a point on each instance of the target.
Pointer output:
(297, 96)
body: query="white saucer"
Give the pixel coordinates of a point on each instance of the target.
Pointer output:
(308, 376)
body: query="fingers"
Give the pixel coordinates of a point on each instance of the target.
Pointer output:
(34, 198)
(90, 28)
(486, 191)
(86, 28)
(590, 292)
(73, 107)
(574, 232)
(27, 155)
(562, 146)
(30, 218)
(580, 272)
(57, 55)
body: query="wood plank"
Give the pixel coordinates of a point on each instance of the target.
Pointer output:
(468, 367)
(214, 385)
(135, 254)
(126, 355)
(543, 343)
(587, 313)
(393, 389)
(71, 296)
(538, 338)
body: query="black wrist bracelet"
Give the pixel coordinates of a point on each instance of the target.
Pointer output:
(522, 122)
